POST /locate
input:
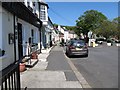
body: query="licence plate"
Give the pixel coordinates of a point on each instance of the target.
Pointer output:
(78, 48)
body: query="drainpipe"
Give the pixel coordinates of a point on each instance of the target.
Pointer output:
(14, 38)
(40, 27)
(40, 36)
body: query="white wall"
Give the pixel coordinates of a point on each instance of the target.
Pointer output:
(7, 27)
(0, 35)
(65, 35)
(0, 26)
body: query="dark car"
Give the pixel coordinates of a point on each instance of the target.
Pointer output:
(76, 47)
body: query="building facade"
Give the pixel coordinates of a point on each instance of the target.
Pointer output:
(20, 28)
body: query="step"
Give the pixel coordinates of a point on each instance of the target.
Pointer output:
(39, 66)
(31, 62)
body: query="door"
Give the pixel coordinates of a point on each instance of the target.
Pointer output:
(20, 46)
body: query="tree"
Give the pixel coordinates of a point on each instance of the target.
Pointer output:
(116, 22)
(55, 25)
(107, 29)
(90, 20)
(70, 27)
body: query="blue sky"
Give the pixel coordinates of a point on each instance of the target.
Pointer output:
(66, 13)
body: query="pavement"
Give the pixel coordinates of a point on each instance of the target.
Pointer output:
(40, 77)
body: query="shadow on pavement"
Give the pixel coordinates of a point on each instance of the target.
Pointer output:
(77, 56)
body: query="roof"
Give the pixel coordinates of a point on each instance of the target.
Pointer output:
(60, 32)
(43, 3)
(71, 32)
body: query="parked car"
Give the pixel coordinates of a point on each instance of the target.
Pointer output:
(76, 47)
(100, 40)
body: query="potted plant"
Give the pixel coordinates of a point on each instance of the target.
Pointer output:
(22, 66)
(2, 52)
(34, 55)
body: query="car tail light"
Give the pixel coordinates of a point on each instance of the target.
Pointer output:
(72, 47)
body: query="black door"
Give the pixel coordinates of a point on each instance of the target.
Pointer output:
(20, 46)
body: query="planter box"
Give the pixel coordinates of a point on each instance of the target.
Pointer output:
(22, 67)
(109, 44)
(34, 55)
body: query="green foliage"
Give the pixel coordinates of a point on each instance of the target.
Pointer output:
(90, 20)
(70, 27)
(107, 29)
(116, 23)
(55, 25)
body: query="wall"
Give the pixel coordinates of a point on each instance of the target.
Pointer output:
(65, 36)
(7, 27)
(0, 26)
(0, 35)
(43, 37)
(26, 34)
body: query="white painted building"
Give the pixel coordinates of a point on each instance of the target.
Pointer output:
(44, 30)
(72, 35)
(55, 35)
(19, 25)
(47, 28)
(61, 33)
(66, 35)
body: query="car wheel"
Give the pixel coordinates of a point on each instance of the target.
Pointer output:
(69, 55)
(86, 55)
(66, 53)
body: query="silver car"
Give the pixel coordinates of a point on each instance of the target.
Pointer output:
(76, 47)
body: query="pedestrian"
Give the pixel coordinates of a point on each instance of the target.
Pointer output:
(62, 41)
(86, 39)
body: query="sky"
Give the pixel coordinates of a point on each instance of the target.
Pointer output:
(66, 13)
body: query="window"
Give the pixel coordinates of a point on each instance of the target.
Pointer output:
(43, 15)
(42, 12)
(28, 3)
(34, 4)
(42, 7)
(34, 9)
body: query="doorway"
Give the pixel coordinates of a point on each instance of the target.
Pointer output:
(20, 41)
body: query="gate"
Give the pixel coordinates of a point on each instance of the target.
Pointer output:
(10, 77)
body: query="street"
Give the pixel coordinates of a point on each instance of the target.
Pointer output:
(100, 68)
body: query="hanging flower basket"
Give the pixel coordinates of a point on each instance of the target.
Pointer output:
(22, 67)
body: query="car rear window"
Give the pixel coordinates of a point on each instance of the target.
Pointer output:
(78, 43)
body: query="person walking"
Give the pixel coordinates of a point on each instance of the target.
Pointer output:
(86, 38)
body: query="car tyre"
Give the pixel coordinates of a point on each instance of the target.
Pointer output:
(86, 55)
(67, 54)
